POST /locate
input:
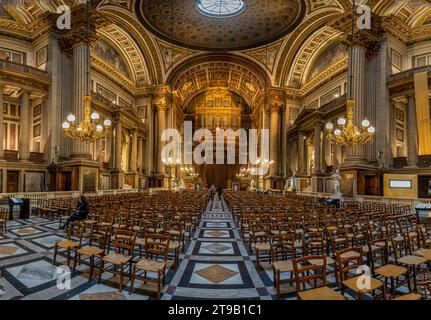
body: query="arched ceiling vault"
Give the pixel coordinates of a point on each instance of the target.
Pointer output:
(292, 46)
(235, 73)
(149, 59)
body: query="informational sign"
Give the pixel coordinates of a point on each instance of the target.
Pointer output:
(400, 184)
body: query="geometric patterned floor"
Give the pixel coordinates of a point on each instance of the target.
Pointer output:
(215, 265)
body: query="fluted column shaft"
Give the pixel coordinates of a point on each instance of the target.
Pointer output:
(81, 87)
(141, 155)
(1, 123)
(301, 158)
(24, 137)
(133, 160)
(357, 86)
(317, 146)
(412, 142)
(118, 134)
(161, 122)
(274, 142)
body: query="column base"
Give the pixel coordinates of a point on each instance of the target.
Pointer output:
(117, 180)
(317, 182)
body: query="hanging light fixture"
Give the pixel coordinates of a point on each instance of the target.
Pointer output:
(347, 133)
(92, 128)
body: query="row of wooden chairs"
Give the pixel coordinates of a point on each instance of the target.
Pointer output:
(114, 240)
(387, 239)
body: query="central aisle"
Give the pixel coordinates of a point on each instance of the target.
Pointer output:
(217, 264)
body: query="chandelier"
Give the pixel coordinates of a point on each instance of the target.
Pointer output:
(347, 133)
(170, 162)
(92, 128)
(189, 171)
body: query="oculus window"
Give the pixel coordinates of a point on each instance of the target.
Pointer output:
(220, 8)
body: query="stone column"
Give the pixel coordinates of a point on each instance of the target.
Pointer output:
(81, 87)
(4, 181)
(412, 140)
(317, 146)
(141, 155)
(1, 123)
(301, 158)
(118, 145)
(274, 140)
(161, 124)
(356, 90)
(24, 137)
(149, 145)
(133, 160)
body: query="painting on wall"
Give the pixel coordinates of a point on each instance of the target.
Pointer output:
(400, 135)
(400, 115)
(34, 181)
(37, 110)
(36, 130)
(328, 57)
(111, 56)
(90, 180)
(42, 57)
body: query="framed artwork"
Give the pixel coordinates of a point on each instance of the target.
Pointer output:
(36, 130)
(400, 135)
(37, 110)
(396, 59)
(399, 115)
(13, 110)
(41, 56)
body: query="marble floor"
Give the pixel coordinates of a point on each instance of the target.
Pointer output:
(216, 264)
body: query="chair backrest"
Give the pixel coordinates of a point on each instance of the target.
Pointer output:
(348, 259)
(98, 236)
(307, 271)
(283, 247)
(378, 251)
(3, 214)
(156, 246)
(314, 243)
(75, 231)
(124, 240)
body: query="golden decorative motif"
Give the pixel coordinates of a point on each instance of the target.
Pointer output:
(348, 134)
(90, 129)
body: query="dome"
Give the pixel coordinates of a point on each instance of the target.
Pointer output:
(220, 25)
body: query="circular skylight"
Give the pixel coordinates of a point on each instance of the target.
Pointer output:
(220, 8)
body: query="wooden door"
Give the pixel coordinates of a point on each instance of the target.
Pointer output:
(65, 181)
(12, 181)
(371, 188)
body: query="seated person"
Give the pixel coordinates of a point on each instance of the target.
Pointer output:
(81, 213)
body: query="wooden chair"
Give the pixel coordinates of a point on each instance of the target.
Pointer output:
(124, 245)
(351, 259)
(402, 256)
(282, 253)
(156, 255)
(260, 242)
(306, 272)
(380, 266)
(176, 233)
(3, 220)
(73, 242)
(96, 247)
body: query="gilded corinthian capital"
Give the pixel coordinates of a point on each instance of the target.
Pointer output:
(84, 27)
